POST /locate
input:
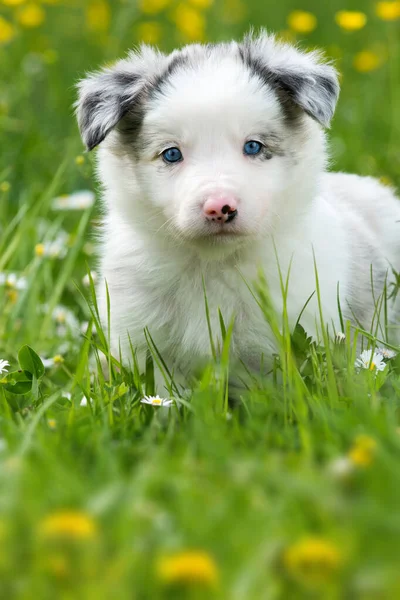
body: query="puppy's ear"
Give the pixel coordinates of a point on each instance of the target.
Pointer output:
(107, 95)
(302, 77)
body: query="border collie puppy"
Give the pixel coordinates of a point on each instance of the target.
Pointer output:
(212, 163)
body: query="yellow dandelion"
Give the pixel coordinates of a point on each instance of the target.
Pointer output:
(149, 32)
(312, 561)
(7, 31)
(152, 7)
(70, 524)
(79, 160)
(31, 15)
(388, 11)
(190, 22)
(201, 3)
(363, 451)
(366, 61)
(188, 567)
(40, 249)
(12, 2)
(98, 15)
(302, 21)
(5, 186)
(350, 20)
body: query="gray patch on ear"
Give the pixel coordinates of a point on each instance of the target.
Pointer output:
(118, 95)
(300, 79)
(104, 99)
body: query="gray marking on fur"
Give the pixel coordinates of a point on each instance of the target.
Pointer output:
(313, 92)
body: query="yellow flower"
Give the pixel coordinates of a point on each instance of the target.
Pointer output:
(79, 160)
(7, 31)
(12, 2)
(188, 567)
(68, 524)
(312, 561)
(350, 20)
(366, 61)
(201, 3)
(5, 186)
(149, 32)
(363, 450)
(388, 11)
(152, 7)
(39, 249)
(98, 15)
(31, 15)
(190, 22)
(302, 21)
(58, 359)
(52, 423)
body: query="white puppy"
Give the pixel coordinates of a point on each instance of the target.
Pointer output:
(212, 162)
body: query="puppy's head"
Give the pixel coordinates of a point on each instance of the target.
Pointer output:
(212, 143)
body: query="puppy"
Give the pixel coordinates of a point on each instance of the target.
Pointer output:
(212, 162)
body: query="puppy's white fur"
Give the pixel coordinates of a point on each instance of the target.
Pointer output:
(158, 247)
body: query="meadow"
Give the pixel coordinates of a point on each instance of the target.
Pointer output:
(293, 492)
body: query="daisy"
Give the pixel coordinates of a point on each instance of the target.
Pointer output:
(86, 278)
(386, 353)
(156, 401)
(340, 337)
(57, 248)
(371, 361)
(3, 366)
(77, 201)
(13, 281)
(65, 320)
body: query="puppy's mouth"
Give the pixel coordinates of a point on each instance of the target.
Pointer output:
(222, 231)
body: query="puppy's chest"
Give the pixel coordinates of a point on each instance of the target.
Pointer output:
(195, 297)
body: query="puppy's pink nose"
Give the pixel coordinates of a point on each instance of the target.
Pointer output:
(222, 209)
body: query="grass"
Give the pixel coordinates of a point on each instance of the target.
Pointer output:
(291, 494)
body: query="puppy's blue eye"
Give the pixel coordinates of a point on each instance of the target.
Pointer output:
(172, 155)
(251, 148)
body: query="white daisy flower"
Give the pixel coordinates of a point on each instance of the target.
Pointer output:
(77, 201)
(340, 337)
(3, 366)
(86, 278)
(373, 361)
(65, 319)
(56, 248)
(14, 281)
(51, 362)
(47, 362)
(386, 353)
(156, 401)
